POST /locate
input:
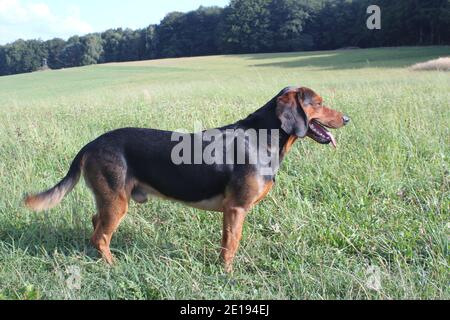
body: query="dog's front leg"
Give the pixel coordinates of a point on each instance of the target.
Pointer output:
(233, 222)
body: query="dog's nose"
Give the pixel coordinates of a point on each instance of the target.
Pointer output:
(346, 120)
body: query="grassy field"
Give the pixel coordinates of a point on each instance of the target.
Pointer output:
(370, 220)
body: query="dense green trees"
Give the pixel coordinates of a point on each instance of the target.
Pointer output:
(189, 34)
(22, 56)
(340, 23)
(289, 20)
(149, 41)
(421, 22)
(55, 47)
(247, 26)
(244, 26)
(267, 26)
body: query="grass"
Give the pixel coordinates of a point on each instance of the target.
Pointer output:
(380, 202)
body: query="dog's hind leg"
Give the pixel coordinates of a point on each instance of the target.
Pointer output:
(111, 212)
(106, 175)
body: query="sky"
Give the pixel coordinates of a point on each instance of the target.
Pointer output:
(46, 19)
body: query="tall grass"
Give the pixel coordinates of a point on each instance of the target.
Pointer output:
(369, 220)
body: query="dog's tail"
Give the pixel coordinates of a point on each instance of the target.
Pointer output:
(51, 198)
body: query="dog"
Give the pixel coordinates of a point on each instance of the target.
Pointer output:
(135, 163)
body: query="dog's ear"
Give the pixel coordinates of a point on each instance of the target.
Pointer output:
(291, 114)
(306, 96)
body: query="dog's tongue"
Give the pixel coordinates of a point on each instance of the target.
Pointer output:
(333, 140)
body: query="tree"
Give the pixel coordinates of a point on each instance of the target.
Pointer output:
(23, 56)
(54, 48)
(131, 46)
(415, 22)
(246, 27)
(92, 49)
(111, 44)
(339, 23)
(149, 39)
(72, 53)
(169, 33)
(200, 29)
(4, 67)
(288, 21)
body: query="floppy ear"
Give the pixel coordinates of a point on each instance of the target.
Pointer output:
(306, 96)
(291, 114)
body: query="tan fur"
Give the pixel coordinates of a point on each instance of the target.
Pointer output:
(112, 204)
(213, 204)
(289, 145)
(315, 110)
(236, 207)
(51, 198)
(111, 211)
(265, 192)
(42, 202)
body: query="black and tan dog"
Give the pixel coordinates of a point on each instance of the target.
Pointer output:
(134, 163)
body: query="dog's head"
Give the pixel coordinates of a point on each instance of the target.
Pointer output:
(302, 113)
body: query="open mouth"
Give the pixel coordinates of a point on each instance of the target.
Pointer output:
(320, 134)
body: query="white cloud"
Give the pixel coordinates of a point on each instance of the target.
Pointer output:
(33, 20)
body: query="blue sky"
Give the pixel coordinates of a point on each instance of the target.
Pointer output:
(45, 19)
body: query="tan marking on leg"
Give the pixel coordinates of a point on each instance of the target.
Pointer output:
(266, 191)
(236, 206)
(233, 222)
(111, 213)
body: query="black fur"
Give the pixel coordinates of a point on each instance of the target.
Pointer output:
(147, 154)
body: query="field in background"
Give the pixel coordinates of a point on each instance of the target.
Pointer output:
(369, 220)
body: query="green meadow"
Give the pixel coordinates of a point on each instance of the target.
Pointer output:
(370, 220)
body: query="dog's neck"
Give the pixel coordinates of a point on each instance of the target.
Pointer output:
(266, 118)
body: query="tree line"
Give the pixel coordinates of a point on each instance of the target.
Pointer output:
(244, 26)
